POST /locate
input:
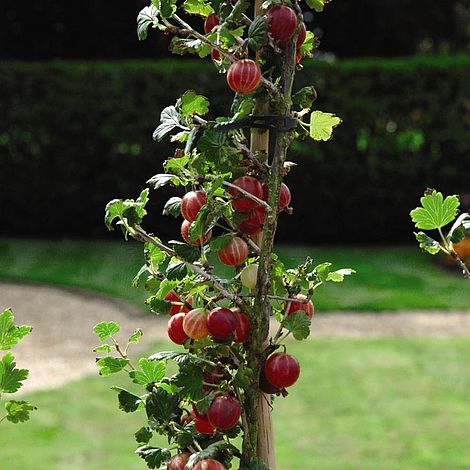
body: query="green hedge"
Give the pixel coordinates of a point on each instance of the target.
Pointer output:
(75, 135)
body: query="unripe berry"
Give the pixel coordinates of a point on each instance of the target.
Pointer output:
(249, 276)
(195, 323)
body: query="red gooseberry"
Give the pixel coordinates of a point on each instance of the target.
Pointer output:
(244, 76)
(307, 307)
(221, 323)
(224, 412)
(175, 328)
(282, 22)
(211, 22)
(185, 226)
(209, 464)
(234, 253)
(191, 204)
(252, 186)
(282, 370)
(178, 462)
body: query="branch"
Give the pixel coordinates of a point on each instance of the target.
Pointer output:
(249, 195)
(187, 29)
(139, 234)
(460, 264)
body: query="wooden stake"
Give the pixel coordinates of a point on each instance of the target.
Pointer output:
(265, 444)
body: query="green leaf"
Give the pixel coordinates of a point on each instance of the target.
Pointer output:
(244, 376)
(187, 252)
(212, 143)
(176, 356)
(258, 33)
(9, 333)
(298, 324)
(110, 365)
(192, 104)
(210, 451)
(256, 464)
(460, 229)
(11, 378)
(169, 119)
(176, 270)
(176, 164)
(194, 46)
(322, 271)
(317, 5)
(190, 383)
(166, 7)
(151, 372)
(322, 125)
(106, 329)
(154, 456)
(204, 403)
(147, 17)
(158, 306)
(103, 348)
(154, 256)
(18, 411)
(113, 211)
(162, 406)
(173, 207)
(338, 276)
(143, 435)
(162, 179)
(218, 243)
(305, 97)
(309, 45)
(128, 402)
(436, 212)
(197, 7)
(427, 243)
(135, 337)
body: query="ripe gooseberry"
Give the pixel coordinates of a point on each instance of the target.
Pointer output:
(243, 329)
(282, 22)
(192, 203)
(251, 185)
(185, 226)
(307, 307)
(211, 22)
(253, 222)
(209, 464)
(221, 323)
(177, 305)
(244, 76)
(175, 328)
(234, 253)
(178, 462)
(224, 412)
(282, 370)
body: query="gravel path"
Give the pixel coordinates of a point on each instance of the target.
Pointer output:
(60, 347)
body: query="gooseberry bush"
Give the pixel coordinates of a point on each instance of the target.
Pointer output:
(436, 213)
(12, 378)
(229, 173)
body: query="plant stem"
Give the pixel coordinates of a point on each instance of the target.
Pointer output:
(249, 196)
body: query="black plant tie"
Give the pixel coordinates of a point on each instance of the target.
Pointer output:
(259, 121)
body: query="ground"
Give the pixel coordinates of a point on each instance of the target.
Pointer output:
(60, 348)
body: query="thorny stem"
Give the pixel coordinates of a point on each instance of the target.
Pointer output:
(139, 234)
(448, 249)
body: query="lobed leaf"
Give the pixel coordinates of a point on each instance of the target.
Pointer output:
(298, 324)
(197, 7)
(154, 456)
(9, 333)
(169, 119)
(151, 372)
(146, 18)
(322, 125)
(427, 243)
(173, 207)
(11, 378)
(106, 329)
(192, 103)
(110, 365)
(128, 402)
(436, 212)
(18, 411)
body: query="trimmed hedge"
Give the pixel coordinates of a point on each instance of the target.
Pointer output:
(75, 135)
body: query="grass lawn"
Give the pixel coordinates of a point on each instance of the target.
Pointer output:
(359, 404)
(387, 278)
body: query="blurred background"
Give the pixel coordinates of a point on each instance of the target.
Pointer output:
(79, 99)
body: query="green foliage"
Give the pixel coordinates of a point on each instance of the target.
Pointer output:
(365, 149)
(106, 329)
(12, 378)
(322, 125)
(151, 372)
(298, 324)
(9, 333)
(110, 365)
(436, 212)
(18, 411)
(148, 17)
